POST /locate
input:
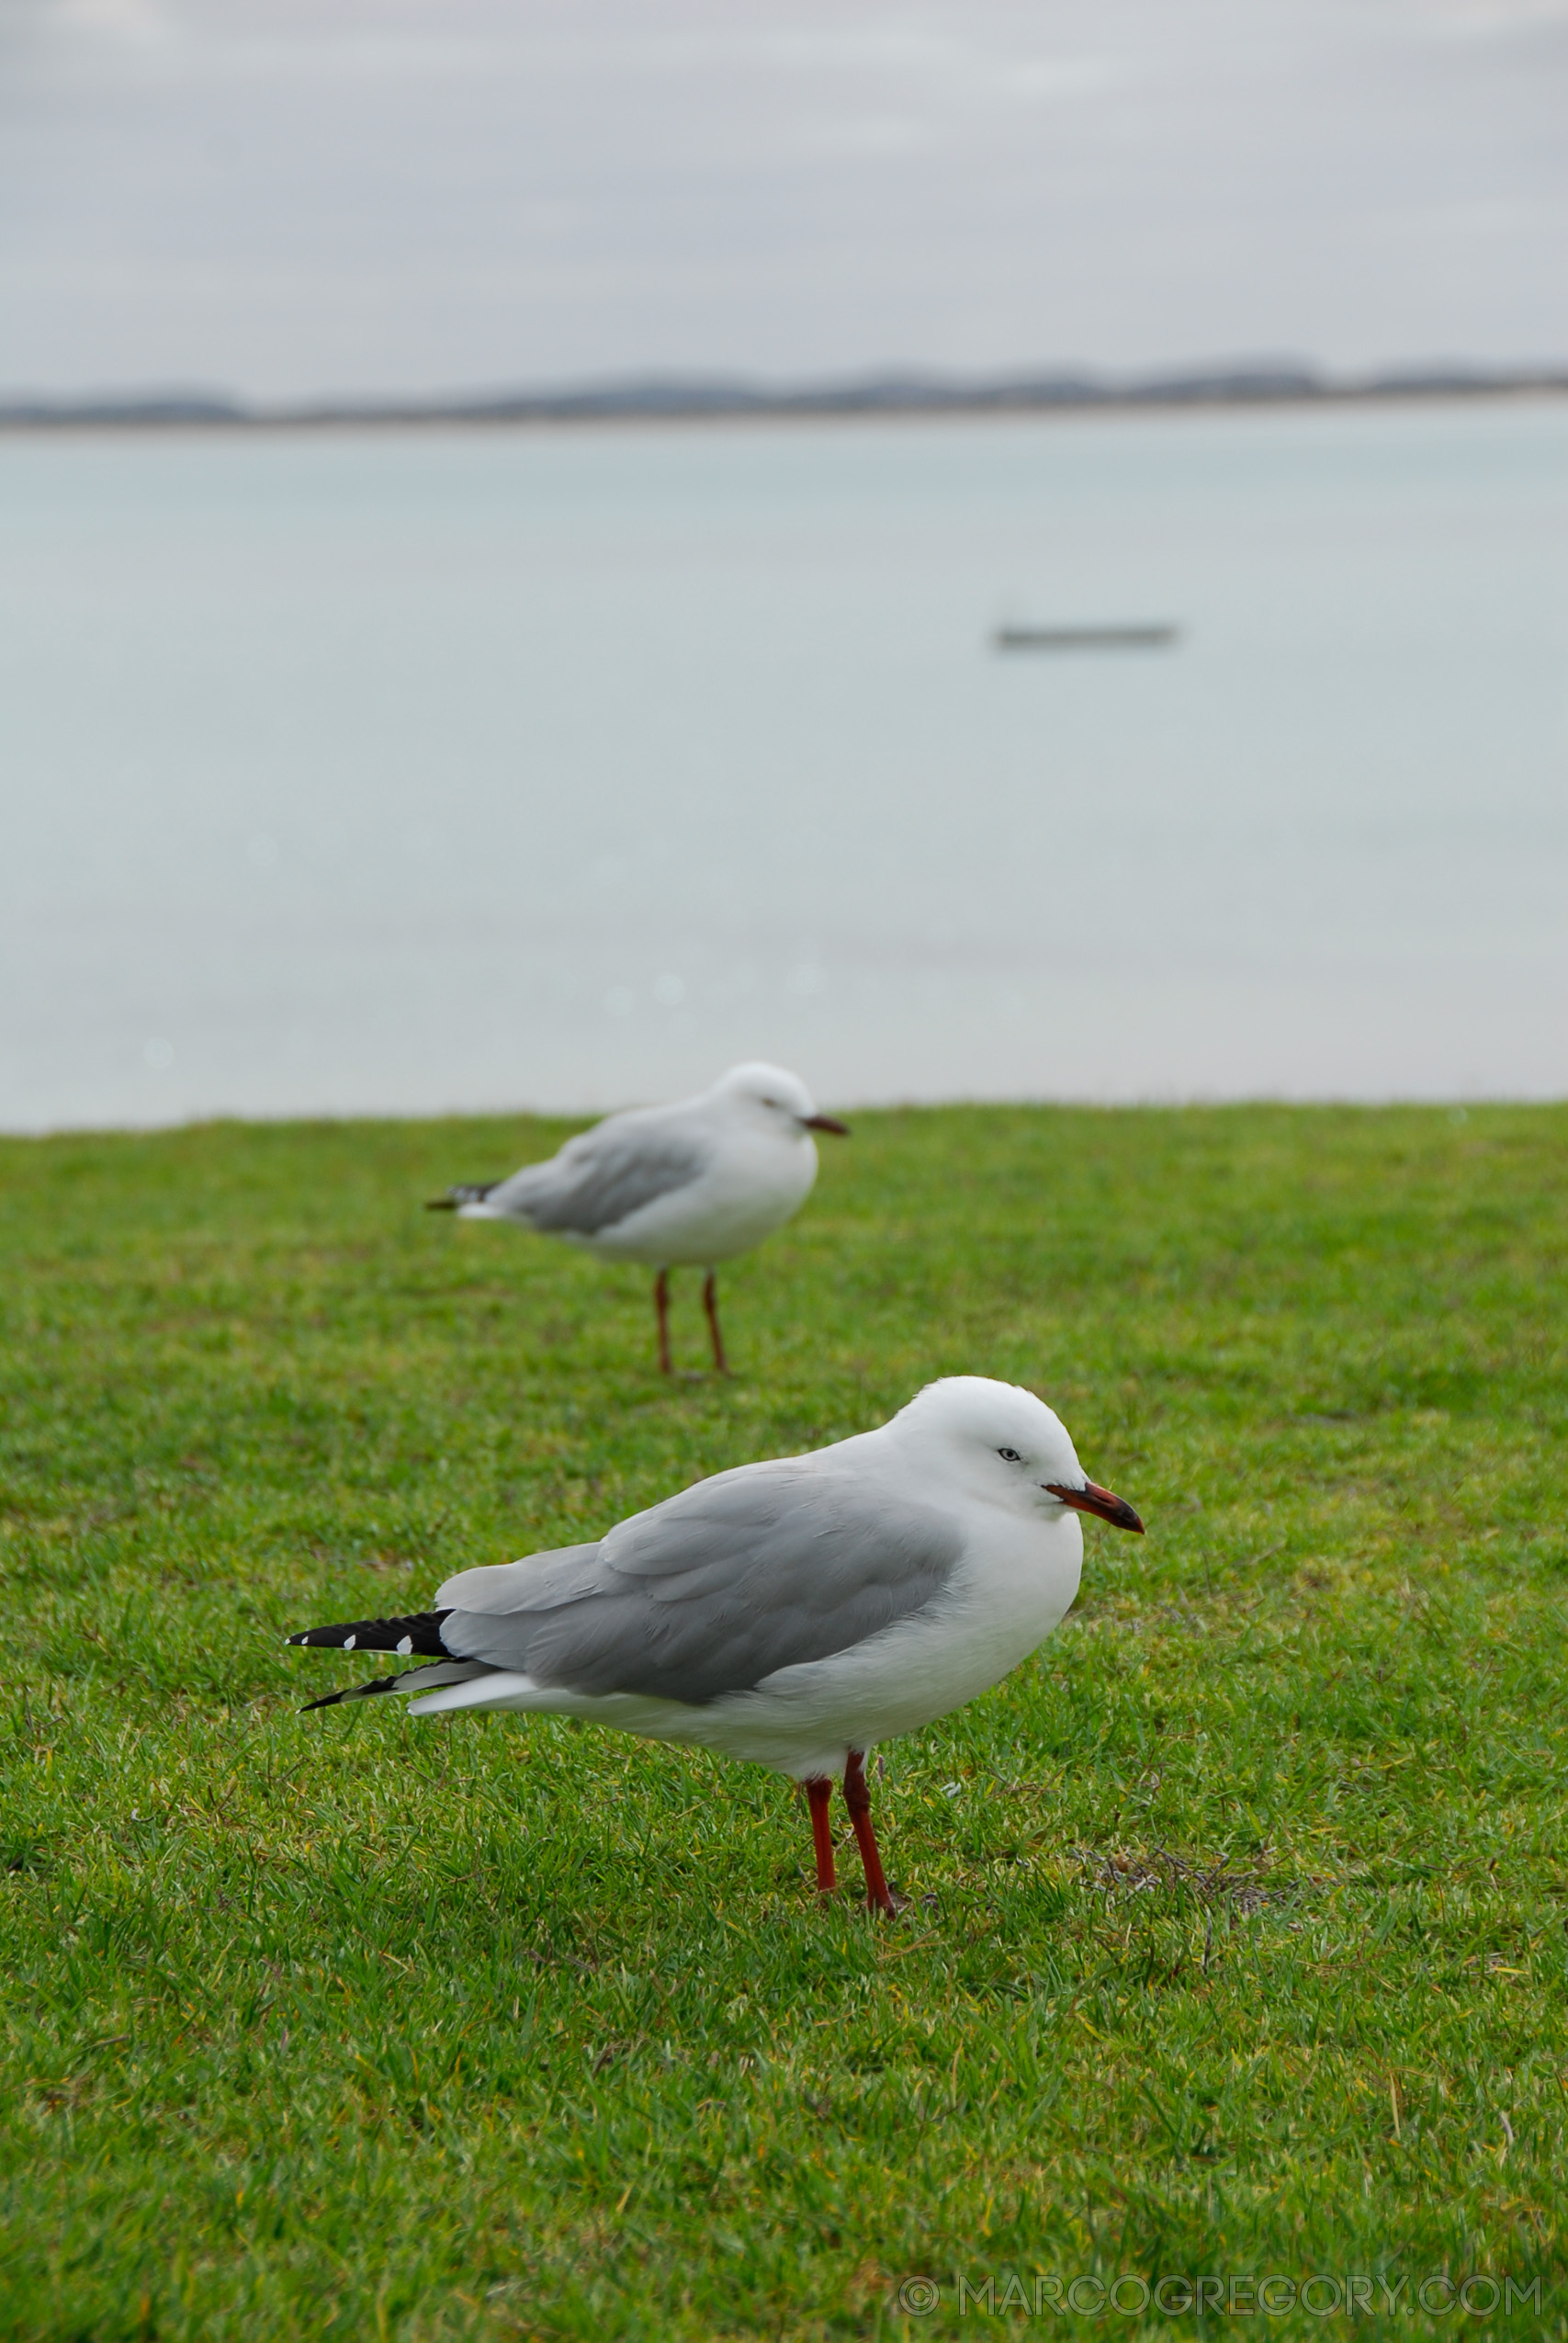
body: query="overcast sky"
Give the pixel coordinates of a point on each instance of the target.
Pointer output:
(284, 197)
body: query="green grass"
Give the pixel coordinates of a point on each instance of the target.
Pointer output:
(1237, 1941)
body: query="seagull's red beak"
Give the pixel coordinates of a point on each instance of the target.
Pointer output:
(1092, 1499)
(826, 1123)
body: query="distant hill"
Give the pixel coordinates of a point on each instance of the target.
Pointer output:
(676, 397)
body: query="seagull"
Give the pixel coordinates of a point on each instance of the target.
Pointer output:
(790, 1614)
(690, 1185)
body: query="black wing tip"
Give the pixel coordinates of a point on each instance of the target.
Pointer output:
(417, 1632)
(354, 1692)
(471, 1192)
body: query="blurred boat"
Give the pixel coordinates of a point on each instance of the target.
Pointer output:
(1139, 638)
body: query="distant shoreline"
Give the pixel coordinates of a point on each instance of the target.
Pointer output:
(879, 399)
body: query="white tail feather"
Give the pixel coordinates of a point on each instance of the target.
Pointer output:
(497, 1688)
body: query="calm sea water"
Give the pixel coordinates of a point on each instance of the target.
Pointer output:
(468, 769)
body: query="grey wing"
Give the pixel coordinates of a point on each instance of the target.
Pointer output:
(709, 1593)
(603, 1176)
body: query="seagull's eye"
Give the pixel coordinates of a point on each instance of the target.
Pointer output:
(1010, 1456)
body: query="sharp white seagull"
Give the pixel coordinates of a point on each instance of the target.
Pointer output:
(792, 1614)
(683, 1186)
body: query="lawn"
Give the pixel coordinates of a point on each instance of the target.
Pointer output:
(1236, 1944)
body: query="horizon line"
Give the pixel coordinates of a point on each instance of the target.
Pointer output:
(677, 394)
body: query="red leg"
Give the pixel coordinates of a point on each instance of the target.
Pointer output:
(662, 1308)
(819, 1791)
(710, 1303)
(857, 1797)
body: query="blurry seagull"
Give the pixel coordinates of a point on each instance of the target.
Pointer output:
(790, 1614)
(675, 1186)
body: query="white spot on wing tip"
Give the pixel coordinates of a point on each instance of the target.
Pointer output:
(406, 1646)
(349, 1642)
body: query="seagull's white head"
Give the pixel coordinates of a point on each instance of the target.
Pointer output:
(1005, 1446)
(774, 1099)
